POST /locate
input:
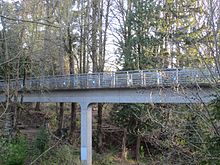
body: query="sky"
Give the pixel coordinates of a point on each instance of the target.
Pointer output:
(11, 0)
(110, 48)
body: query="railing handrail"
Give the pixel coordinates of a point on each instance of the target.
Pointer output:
(115, 72)
(124, 78)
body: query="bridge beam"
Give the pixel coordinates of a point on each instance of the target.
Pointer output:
(86, 133)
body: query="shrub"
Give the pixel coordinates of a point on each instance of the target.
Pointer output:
(14, 152)
(63, 154)
(212, 148)
(41, 141)
(104, 159)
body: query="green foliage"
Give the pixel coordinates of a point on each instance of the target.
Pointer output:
(213, 152)
(106, 159)
(154, 33)
(63, 154)
(42, 140)
(215, 109)
(192, 131)
(131, 116)
(138, 43)
(14, 152)
(213, 140)
(214, 146)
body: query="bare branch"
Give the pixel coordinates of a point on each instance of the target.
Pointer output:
(28, 21)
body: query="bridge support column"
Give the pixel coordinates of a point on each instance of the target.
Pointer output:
(86, 134)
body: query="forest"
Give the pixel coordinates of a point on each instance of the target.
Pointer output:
(41, 38)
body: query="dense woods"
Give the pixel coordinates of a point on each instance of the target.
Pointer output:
(52, 37)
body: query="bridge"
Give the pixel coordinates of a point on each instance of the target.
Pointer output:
(141, 86)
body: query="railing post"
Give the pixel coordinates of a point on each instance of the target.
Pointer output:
(54, 83)
(142, 78)
(177, 76)
(127, 79)
(196, 76)
(99, 80)
(87, 80)
(40, 81)
(130, 77)
(113, 81)
(158, 78)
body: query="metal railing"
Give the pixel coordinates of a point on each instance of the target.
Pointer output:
(121, 79)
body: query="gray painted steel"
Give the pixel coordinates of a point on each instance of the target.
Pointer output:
(122, 95)
(86, 134)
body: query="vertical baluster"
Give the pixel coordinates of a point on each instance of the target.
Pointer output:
(40, 81)
(127, 79)
(193, 76)
(84, 81)
(75, 81)
(177, 76)
(33, 81)
(196, 77)
(210, 75)
(142, 78)
(99, 81)
(81, 80)
(113, 83)
(158, 77)
(1, 85)
(56, 82)
(73, 78)
(51, 83)
(130, 76)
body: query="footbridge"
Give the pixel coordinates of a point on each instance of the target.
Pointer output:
(140, 86)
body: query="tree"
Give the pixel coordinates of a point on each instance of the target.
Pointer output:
(133, 118)
(11, 62)
(159, 35)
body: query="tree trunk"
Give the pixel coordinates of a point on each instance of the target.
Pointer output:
(8, 126)
(138, 144)
(37, 107)
(73, 119)
(86, 38)
(82, 36)
(14, 109)
(99, 129)
(60, 120)
(100, 69)
(71, 71)
(94, 56)
(124, 149)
